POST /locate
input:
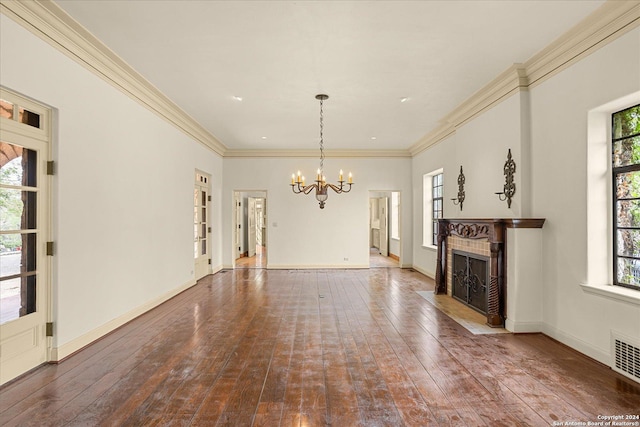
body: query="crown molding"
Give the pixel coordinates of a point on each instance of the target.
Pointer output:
(610, 21)
(440, 133)
(315, 153)
(51, 23)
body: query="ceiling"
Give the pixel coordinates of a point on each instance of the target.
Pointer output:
(368, 56)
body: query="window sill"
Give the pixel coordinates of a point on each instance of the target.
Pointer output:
(433, 248)
(613, 292)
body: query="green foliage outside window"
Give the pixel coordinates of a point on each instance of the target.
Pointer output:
(626, 180)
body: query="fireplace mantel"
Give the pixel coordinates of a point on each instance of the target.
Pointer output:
(494, 231)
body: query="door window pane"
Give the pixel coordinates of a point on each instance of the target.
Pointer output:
(17, 165)
(17, 209)
(6, 109)
(28, 117)
(17, 276)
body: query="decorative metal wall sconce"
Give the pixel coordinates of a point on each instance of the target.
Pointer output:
(460, 198)
(509, 189)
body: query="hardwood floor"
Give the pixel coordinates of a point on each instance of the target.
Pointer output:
(380, 261)
(259, 260)
(312, 348)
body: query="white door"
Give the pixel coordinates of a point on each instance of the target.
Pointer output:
(201, 229)
(251, 227)
(384, 225)
(237, 232)
(24, 231)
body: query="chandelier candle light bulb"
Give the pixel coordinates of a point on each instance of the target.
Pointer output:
(321, 186)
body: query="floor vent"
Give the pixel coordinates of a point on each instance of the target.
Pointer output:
(626, 356)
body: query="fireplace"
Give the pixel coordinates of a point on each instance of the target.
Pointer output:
(470, 279)
(480, 239)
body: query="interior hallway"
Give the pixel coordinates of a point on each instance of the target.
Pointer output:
(314, 347)
(259, 260)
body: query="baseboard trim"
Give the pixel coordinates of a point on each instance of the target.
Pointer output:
(425, 272)
(315, 267)
(577, 344)
(58, 354)
(522, 327)
(394, 256)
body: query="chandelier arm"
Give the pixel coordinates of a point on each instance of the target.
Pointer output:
(335, 188)
(340, 189)
(309, 188)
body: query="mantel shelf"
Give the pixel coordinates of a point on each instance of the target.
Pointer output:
(508, 222)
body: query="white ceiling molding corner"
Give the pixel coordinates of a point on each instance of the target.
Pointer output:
(51, 23)
(610, 21)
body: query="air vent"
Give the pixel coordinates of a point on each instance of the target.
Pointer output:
(626, 356)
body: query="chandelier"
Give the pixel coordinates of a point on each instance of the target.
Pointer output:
(320, 184)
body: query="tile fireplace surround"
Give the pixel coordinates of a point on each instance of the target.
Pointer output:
(486, 237)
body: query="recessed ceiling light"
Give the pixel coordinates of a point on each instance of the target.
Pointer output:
(237, 98)
(264, 137)
(373, 137)
(405, 99)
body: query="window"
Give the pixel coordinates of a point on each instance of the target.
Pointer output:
(14, 112)
(437, 205)
(432, 187)
(395, 211)
(625, 129)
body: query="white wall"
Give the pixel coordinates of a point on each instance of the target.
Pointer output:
(123, 193)
(546, 130)
(560, 108)
(300, 233)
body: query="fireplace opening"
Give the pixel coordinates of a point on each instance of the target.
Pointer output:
(470, 279)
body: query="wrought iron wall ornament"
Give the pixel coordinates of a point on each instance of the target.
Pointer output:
(509, 189)
(460, 198)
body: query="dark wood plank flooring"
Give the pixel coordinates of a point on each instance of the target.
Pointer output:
(313, 348)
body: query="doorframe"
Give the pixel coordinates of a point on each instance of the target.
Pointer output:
(234, 222)
(400, 210)
(13, 132)
(209, 234)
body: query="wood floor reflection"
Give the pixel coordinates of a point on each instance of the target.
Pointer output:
(314, 348)
(259, 260)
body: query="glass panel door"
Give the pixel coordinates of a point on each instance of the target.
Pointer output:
(201, 225)
(23, 265)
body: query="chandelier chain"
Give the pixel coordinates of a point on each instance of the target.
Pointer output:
(321, 138)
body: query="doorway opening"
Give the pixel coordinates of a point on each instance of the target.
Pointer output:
(384, 229)
(250, 229)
